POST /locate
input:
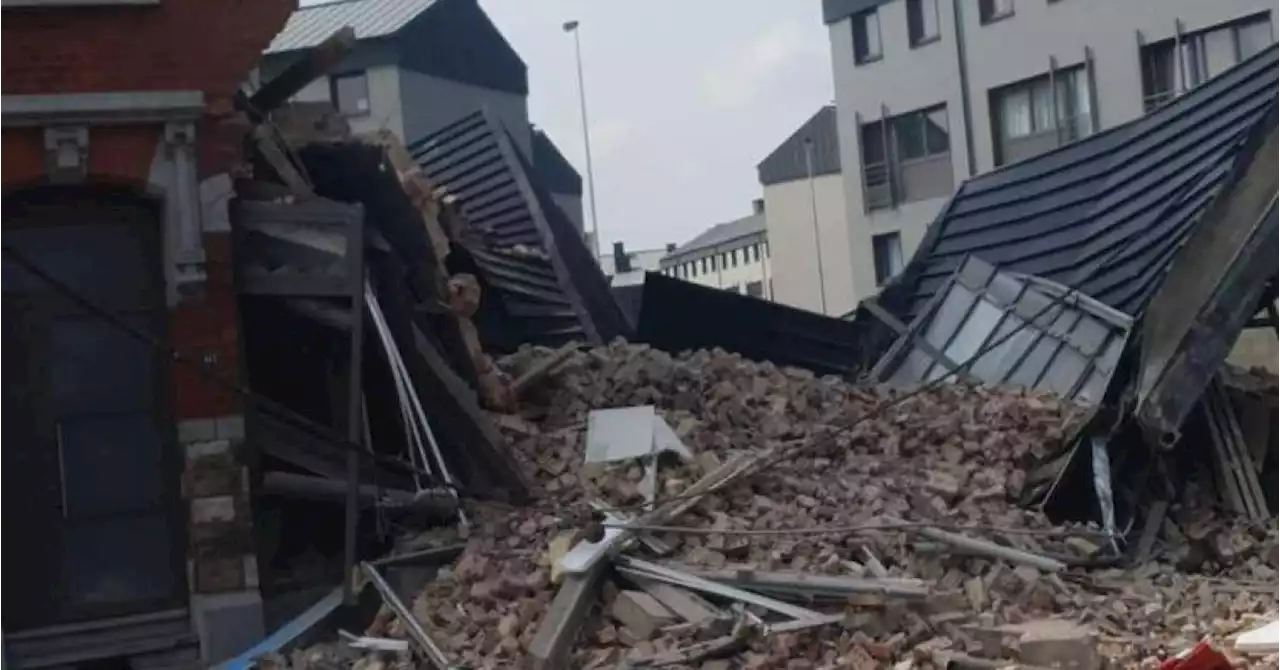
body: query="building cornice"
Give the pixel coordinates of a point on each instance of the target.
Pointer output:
(115, 107)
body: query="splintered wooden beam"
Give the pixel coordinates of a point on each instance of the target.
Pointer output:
(555, 637)
(316, 63)
(425, 199)
(273, 151)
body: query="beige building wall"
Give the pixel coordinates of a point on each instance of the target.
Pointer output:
(908, 78)
(789, 215)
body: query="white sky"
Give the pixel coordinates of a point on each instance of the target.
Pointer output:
(684, 98)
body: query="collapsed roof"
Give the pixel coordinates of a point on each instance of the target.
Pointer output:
(524, 247)
(1105, 215)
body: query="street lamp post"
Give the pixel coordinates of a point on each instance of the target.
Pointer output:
(813, 208)
(572, 27)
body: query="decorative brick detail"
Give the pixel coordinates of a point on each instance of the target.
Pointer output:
(220, 520)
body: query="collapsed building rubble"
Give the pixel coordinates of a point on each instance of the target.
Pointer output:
(723, 510)
(825, 535)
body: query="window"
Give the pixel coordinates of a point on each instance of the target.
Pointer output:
(990, 11)
(916, 164)
(350, 93)
(1036, 115)
(1159, 74)
(1253, 35)
(755, 253)
(922, 21)
(1176, 65)
(734, 258)
(886, 252)
(866, 37)
(755, 289)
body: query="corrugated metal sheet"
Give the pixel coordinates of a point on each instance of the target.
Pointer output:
(1106, 214)
(466, 159)
(505, 205)
(677, 315)
(789, 161)
(310, 25)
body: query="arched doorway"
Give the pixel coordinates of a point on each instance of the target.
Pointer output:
(88, 444)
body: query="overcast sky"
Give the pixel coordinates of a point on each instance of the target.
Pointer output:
(684, 99)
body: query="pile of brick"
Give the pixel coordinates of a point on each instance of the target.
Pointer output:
(954, 457)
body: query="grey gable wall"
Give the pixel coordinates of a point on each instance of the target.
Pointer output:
(431, 103)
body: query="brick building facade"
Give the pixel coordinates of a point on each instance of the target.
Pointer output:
(119, 153)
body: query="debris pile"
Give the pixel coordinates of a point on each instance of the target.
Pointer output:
(858, 528)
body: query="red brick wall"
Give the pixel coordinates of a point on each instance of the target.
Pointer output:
(205, 45)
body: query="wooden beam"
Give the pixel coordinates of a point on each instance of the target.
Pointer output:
(316, 63)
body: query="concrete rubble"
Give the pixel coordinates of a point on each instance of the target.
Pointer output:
(922, 494)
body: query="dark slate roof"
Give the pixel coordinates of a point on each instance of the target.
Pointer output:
(505, 204)
(722, 233)
(834, 10)
(788, 162)
(1106, 214)
(310, 25)
(556, 172)
(451, 39)
(676, 315)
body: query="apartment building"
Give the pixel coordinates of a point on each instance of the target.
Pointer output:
(931, 92)
(805, 214)
(627, 267)
(733, 256)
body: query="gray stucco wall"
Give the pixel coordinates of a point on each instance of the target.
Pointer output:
(430, 103)
(385, 110)
(997, 54)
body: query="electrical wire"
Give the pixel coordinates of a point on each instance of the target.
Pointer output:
(782, 456)
(853, 530)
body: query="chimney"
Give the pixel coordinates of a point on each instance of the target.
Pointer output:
(757, 206)
(671, 246)
(621, 262)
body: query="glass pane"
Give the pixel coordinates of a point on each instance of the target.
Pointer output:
(1042, 102)
(1015, 350)
(118, 561)
(872, 143)
(935, 132)
(873, 34)
(948, 316)
(913, 369)
(1254, 37)
(973, 332)
(928, 19)
(987, 366)
(1093, 388)
(1089, 335)
(1033, 365)
(106, 264)
(97, 367)
(110, 464)
(908, 130)
(1015, 112)
(1064, 372)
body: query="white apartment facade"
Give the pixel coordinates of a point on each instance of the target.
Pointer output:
(930, 92)
(805, 212)
(626, 267)
(733, 256)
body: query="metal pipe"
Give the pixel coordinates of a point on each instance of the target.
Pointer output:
(572, 27)
(355, 433)
(411, 624)
(813, 208)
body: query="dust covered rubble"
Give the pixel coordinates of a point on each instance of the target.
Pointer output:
(954, 455)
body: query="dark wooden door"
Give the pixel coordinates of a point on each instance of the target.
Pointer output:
(93, 455)
(31, 490)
